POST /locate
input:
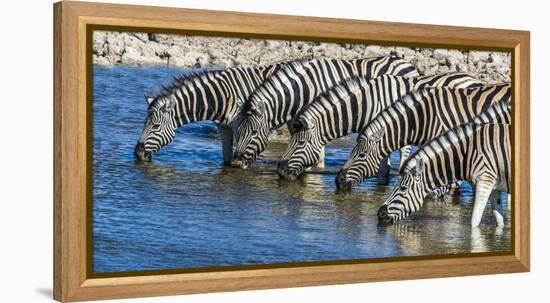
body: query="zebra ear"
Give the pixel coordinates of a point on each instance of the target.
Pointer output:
(148, 98)
(259, 109)
(303, 123)
(377, 135)
(170, 104)
(239, 101)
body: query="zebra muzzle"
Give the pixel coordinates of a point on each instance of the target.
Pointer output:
(342, 182)
(384, 217)
(282, 166)
(240, 161)
(141, 154)
(285, 172)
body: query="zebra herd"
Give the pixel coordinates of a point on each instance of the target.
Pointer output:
(460, 125)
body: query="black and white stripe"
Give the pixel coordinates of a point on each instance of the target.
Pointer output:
(297, 84)
(415, 120)
(347, 108)
(475, 152)
(209, 95)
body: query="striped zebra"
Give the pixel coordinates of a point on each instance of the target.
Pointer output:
(415, 120)
(348, 108)
(289, 89)
(475, 152)
(206, 95)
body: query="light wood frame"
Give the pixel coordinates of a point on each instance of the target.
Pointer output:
(72, 281)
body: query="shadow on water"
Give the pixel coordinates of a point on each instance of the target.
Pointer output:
(185, 209)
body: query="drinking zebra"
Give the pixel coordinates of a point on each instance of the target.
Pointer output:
(292, 87)
(475, 152)
(207, 95)
(415, 120)
(348, 108)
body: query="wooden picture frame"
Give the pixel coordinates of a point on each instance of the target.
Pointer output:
(72, 21)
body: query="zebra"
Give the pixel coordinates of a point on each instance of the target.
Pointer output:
(347, 108)
(415, 120)
(206, 95)
(476, 152)
(292, 87)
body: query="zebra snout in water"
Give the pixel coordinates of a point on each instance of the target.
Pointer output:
(141, 154)
(342, 182)
(285, 172)
(281, 167)
(239, 161)
(383, 216)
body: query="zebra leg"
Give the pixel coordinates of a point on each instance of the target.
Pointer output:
(496, 204)
(227, 143)
(405, 153)
(384, 171)
(483, 192)
(321, 162)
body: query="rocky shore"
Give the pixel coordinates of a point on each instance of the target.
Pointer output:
(136, 49)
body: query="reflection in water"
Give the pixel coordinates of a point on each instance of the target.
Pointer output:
(186, 210)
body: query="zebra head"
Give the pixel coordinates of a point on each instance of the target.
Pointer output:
(363, 162)
(304, 149)
(251, 130)
(159, 129)
(406, 197)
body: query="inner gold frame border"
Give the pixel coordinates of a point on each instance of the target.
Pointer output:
(73, 25)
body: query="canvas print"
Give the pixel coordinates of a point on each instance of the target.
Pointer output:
(215, 152)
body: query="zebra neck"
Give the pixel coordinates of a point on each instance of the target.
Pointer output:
(437, 177)
(409, 124)
(445, 162)
(204, 98)
(297, 85)
(339, 129)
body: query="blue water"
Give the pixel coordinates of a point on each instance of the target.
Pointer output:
(185, 210)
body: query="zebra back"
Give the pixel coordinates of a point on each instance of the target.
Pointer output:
(348, 107)
(298, 83)
(425, 114)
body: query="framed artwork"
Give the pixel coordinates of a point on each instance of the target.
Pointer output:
(203, 151)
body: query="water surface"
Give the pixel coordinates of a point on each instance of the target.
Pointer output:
(186, 210)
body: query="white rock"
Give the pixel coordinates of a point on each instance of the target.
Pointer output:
(131, 56)
(102, 61)
(426, 65)
(174, 51)
(144, 37)
(475, 57)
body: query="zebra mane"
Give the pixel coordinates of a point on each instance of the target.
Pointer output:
(400, 106)
(181, 80)
(500, 110)
(333, 94)
(369, 130)
(252, 101)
